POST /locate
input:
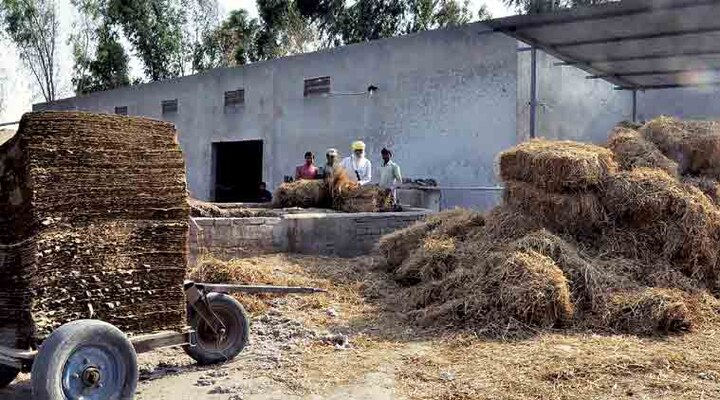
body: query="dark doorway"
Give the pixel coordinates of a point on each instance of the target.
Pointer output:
(238, 170)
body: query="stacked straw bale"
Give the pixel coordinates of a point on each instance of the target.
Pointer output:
(103, 202)
(618, 239)
(336, 192)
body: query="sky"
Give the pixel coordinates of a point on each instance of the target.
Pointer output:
(16, 85)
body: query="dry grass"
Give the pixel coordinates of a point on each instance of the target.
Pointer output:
(575, 367)
(571, 212)
(649, 311)
(386, 352)
(369, 198)
(633, 151)
(557, 165)
(695, 145)
(709, 186)
(302, 193)
(434, 259)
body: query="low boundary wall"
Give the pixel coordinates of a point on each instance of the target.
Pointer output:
(331, 234)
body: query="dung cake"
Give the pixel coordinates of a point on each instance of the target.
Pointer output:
(103, 204)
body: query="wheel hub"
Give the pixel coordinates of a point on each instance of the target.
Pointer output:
(91, 377)
(93, 373)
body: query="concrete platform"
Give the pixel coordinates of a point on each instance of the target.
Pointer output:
(312, 232)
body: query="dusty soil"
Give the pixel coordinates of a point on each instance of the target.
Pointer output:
(348, 344)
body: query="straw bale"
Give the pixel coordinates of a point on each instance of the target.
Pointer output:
(649, 311)
(644, 195)
(524, 290)
(589, 284)
(560, 212)
(395, 247)
(457, 223)
(504, 223)
(557, 165)
(709, 186)
(633, 151)
(434, 259)
(533, 289)
(695, 145)
(368, 198)
(302, 193)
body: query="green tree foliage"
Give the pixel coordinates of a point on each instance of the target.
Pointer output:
(232, 43)
(33, 27)
(433, 14)
(541, 6)
(367, 20)
(484, 13)
(109, 69)
(155, 30)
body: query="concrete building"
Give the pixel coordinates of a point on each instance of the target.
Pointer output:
(445, 101)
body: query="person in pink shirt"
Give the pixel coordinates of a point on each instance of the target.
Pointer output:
(307, 170)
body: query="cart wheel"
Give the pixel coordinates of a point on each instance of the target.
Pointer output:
(210, 350)
(85, 359)
(7, 375)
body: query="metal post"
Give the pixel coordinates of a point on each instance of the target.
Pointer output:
(533, 90)
(634, 105)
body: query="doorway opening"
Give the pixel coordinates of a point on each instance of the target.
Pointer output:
(238, 170)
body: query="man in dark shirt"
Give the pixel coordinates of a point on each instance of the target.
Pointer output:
(264, 196)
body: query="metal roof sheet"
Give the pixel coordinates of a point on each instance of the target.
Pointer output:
(635, 44)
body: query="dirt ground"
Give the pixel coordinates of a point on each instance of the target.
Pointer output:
(349, 344)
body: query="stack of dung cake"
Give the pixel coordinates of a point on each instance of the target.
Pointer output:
(93, 224)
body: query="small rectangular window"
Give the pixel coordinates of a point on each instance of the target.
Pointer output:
(317, 86)
(235, 98)
(121, 110)
(169, 106)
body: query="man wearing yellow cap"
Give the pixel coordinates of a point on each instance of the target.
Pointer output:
(357, 167)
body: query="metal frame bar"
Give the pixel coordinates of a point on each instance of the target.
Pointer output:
(668, 86)
(514, 27)
(533, 92)
(146, 343)
(617, 39)
(645, 57)
(647, 73)
(599, 12)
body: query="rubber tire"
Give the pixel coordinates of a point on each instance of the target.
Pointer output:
(47, 369)
(7, 375)
(238, 329)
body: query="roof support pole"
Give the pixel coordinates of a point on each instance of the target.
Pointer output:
(533, 90)
(634, 105)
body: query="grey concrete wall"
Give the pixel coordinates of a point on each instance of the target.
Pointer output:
(700, 103)
(332, 234)
(570, 106)
(445, 104)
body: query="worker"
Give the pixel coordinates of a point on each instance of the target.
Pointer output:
(331, 157)
(390, 176)
(264, 196)
(357, 167)
(307, 170)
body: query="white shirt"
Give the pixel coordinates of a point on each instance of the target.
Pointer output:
(361, 165)
(390, 175)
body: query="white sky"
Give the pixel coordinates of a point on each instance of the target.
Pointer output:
(17, 88)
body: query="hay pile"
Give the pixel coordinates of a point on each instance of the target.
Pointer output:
(93, 224)
(618, 239)
(336, 192)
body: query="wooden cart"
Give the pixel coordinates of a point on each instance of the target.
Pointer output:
(91, 359)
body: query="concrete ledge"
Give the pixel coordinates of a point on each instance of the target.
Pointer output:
(334, 234)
